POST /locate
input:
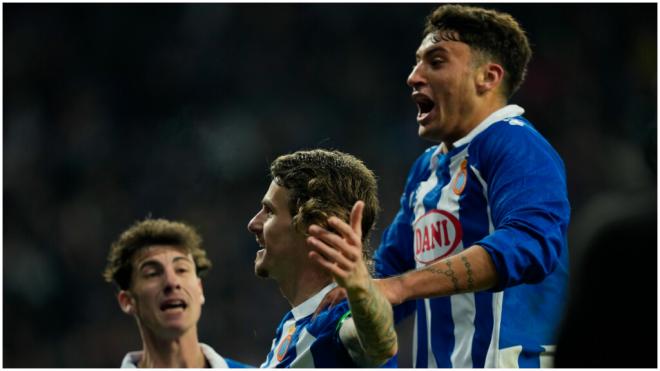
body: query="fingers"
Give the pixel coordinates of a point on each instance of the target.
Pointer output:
(340, 253)
(352, 232)
(356, 218)
(330, 253)
(333, 268)
(335, 242)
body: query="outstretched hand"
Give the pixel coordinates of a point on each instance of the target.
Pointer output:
(369, 335)
(341, 253)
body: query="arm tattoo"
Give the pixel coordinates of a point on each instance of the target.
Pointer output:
(449, 273)
(374, 322)
(470, 280)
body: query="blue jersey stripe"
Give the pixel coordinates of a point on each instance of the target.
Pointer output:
(442, 328)
(421, 360)
(431, 199)
(530, 357)
(483, 323)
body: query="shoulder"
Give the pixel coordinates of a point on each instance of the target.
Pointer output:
(507, 131)
(510, 139)
(423, 161)
(421, 168)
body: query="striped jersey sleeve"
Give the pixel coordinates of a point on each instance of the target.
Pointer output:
(303, 340)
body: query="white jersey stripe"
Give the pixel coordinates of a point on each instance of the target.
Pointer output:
(463, 309)
(493, 357)
(509, 357)
(431, 357)
(415, 331)
(424, 188)
(304, 357)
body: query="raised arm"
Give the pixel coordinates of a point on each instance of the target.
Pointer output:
(369, 335)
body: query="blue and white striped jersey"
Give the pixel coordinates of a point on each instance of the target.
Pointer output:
(502, 187)
(303, 341)
(132, 359)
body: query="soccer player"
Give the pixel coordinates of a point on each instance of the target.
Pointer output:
(157, 265)
(478, 247)
(312, 187)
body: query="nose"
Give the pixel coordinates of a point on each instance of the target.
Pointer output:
(256, 223)
(416, 77)
(172, 280)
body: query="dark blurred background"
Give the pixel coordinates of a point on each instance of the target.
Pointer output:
(116, 112)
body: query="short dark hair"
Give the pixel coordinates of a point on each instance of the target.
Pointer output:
(488, 31)
(150, 232)
(324, 183)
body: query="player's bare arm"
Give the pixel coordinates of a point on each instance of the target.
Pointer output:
(369, 336)
(471, 270)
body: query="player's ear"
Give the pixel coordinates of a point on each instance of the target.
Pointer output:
(489, 77)
(126, 302)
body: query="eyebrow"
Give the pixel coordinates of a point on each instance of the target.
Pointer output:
(430, 50)
(151, 262)
(267, 203)
(148, 263)
(185, 258)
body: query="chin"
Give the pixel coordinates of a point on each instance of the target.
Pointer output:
(171, 331)
(427, 133)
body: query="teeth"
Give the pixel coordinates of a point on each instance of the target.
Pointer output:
(173, 304)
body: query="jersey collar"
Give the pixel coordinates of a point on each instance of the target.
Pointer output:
(511, 110)
(309, 306)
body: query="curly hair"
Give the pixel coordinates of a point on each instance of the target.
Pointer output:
(150, 232)
(324, 183)
(495, 34)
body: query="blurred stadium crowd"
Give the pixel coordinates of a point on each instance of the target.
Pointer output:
(116, 112)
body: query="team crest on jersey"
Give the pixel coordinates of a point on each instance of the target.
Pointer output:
(460, 179)
(437, 234)
(280, 353)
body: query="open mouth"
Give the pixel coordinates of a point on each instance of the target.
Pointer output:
(260, 243)
(174, 304)
(425, 106)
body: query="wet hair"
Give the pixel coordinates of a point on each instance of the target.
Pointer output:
(150, 232)
(494, 34)
(324, 183)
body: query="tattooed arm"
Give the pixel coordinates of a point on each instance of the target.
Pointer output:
(471, 270)
(369, 336)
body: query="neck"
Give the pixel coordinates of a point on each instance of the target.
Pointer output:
(474, 116)
(180, 352)
(298, 289)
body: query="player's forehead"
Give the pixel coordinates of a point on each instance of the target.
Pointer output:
(161, 254)
(444, 42)
(276, 196)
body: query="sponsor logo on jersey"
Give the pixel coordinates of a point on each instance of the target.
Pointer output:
(437, 234)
